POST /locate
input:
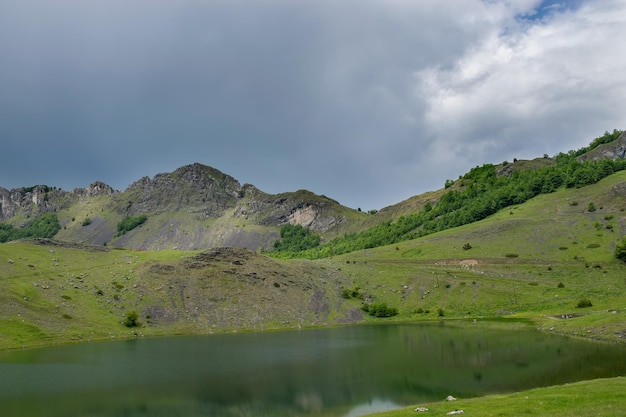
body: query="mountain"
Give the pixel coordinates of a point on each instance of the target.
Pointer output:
(199, 207)
(194, 207)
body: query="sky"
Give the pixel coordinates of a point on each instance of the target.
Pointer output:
(368, 102)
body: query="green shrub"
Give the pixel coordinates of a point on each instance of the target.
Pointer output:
(349, 293)
(86, 222)
(131, 319)
(591, 207)
(379, 310)
(584, 303)
(130, 222)
(620, 251)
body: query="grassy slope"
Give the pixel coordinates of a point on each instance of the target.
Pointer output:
(55, 294)
(522, 256)
(596, 398)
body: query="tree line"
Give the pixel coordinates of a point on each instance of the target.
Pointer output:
(46, 226)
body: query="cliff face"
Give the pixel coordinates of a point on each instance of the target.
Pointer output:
(30, 201)
(194, 207)
(318, 213)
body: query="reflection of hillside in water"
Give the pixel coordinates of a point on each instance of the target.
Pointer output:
(339, 371)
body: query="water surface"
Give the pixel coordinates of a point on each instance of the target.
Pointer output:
(347, 371)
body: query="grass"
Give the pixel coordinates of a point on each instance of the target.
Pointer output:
(595, 398)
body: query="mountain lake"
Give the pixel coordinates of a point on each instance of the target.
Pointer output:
(341, 371)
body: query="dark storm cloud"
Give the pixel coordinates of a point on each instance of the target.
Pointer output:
(368, 102)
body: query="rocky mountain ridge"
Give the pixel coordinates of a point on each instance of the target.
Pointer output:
(193, 207)
(199, 207)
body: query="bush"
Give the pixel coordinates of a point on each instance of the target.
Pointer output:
(379, 310)
(131, 319)
(349, 293)
(130, 222)
(591, 208)
(87, 221)
(584, 303)
(620, 251)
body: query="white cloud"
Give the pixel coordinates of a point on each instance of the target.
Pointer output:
(530, 83)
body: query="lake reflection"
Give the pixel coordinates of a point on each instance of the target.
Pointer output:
(347, 371)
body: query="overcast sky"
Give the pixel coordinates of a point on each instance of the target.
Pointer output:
(367, 102)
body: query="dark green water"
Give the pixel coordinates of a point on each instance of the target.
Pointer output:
(346, 371)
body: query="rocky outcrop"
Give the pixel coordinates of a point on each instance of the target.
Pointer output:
(31, 201)
(302, 208)
(612, 150)
(96, 189)
(195, 188)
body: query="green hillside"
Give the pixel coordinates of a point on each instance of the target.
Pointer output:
(481, 192)
(534, 261)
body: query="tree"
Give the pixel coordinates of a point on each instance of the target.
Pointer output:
(296, 238)
(46, 226)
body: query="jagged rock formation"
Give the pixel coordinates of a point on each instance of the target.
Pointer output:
(30, 201)
(194, 188)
